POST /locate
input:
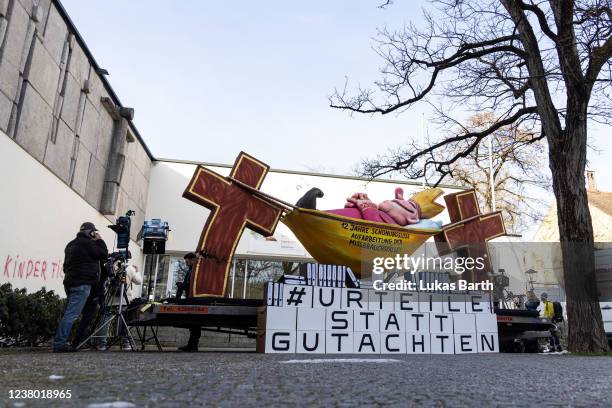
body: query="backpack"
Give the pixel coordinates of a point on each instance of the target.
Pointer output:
(558, 317)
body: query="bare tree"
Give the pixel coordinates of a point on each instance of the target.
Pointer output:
(544, 65)
(518, 173)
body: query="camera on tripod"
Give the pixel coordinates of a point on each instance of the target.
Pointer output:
(122, 229)
(115, 267)
(113, 299)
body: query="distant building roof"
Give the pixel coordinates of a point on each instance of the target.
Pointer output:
(601, 200)
(548, 230)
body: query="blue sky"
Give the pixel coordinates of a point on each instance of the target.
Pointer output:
(208, 79)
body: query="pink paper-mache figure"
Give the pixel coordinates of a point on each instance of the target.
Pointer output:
(399, 211)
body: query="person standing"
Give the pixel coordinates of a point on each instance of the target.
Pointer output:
(82, 258)
(132, 277)
(183, 287)
(532, 302)
(195, 332)
(548, 311)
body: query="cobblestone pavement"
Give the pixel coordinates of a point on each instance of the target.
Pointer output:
(171, 379)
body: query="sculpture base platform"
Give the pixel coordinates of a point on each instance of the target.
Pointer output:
(221, 315)
(239, 317)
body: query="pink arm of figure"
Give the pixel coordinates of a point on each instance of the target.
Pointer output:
(369, 211)
(352, 200)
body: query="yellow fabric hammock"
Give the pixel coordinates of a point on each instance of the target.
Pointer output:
(339, 240)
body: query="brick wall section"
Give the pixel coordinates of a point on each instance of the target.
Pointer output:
(51, 104)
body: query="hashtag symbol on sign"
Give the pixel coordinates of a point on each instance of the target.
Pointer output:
(295, 296)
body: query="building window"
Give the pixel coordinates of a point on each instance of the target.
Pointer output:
(261, 271)
(246, 280)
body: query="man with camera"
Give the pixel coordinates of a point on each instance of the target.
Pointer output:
(81, 271)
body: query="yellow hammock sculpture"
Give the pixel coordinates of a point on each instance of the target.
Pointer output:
(339, 240)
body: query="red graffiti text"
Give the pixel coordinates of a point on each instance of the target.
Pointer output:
(16, 267)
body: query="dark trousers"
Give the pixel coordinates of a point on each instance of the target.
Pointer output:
(195, 332)
(88, 316)
(77, 297)
(554, 338)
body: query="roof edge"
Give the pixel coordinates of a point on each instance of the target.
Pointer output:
(312, 173)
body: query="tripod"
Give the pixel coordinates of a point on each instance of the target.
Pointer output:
(111, 312)
(154, 246)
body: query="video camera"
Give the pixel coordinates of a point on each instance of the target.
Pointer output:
(114, 270)
(122, 229)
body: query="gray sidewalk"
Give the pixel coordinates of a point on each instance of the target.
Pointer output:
(172, 379)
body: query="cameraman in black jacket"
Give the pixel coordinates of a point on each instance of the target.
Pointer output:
(81, 271)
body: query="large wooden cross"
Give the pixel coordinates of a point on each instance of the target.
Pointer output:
(469, 231)
(232, 209)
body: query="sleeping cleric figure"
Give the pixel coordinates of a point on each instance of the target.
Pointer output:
(399, 211)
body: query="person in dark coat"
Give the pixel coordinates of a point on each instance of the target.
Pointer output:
(82, 258)
(532, 302)
(195, 332)
(183, 287)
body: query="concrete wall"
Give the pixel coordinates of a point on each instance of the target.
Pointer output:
(52, 104)
(40, 215)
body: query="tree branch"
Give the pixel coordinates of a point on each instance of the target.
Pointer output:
(541, 18)
(477, 136)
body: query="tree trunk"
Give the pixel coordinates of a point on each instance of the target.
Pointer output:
(567, 163)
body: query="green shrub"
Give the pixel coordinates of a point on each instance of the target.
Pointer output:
(28, 319)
